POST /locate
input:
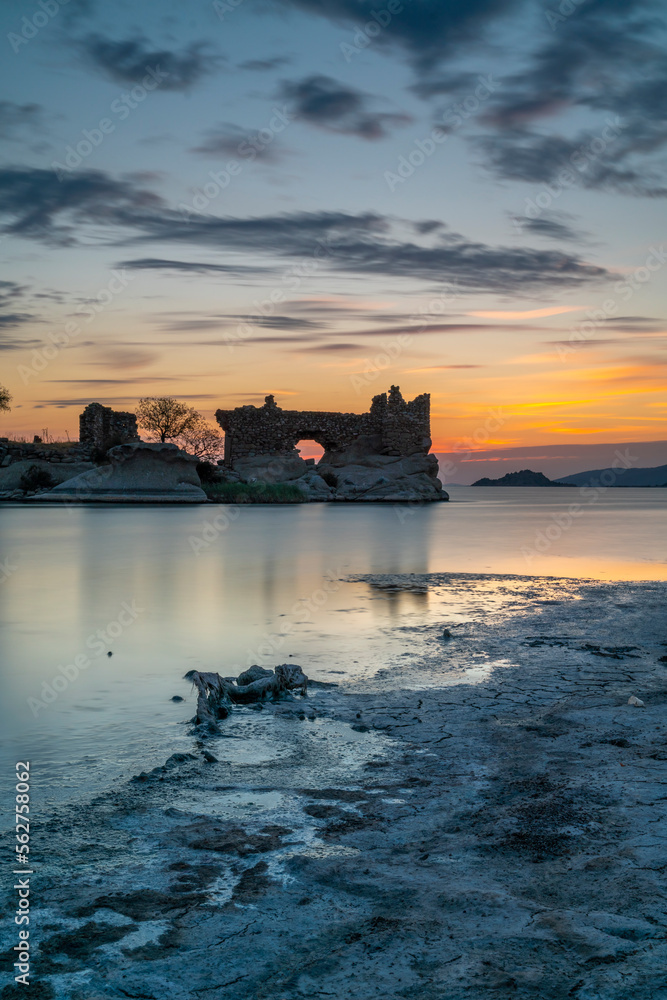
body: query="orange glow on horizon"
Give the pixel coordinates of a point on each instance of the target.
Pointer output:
(525, 313)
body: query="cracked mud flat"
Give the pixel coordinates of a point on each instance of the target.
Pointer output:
(498, 839)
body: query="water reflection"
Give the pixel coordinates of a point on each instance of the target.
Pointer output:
(262, 589)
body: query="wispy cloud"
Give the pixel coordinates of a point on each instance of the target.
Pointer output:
(38, 206)
(336, 107)
(128, 60)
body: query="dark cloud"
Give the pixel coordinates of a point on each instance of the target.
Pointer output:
(427, 226)
(603, 57)
(194, 267)
(51, 210)
(128, 61)
(430, 31)
(127, 379)
(551, 226)
(336, 107)
(282, 322)
(635, 319)
(192, 325)
(11, 291)
(427, 327)
(423, 329)
(325, 348)
(296, 339)
(592, 159)
(41, 207)
(639, 329)
(11, 295)
(586, 344)
(62, 404)
(607, 59)
(231, 140)
(16, 117)
(17, 344)
(455, 84)
(264, 65)
(10, 320)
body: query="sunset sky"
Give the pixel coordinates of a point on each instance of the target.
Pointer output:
(223, 200)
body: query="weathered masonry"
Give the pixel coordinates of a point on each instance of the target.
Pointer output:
(396, 427)
(101, 427)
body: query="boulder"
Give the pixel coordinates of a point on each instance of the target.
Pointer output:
(314, 486)
(386, 477)
(137, 473)
(271, 468)
(10, 475)
(360, 472)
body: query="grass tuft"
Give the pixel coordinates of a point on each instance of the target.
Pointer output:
(253, 492)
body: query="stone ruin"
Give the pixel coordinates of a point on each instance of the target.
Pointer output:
(401, 428)
(379, 455)
(102, 427)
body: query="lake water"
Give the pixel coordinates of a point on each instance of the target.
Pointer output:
(167, 589)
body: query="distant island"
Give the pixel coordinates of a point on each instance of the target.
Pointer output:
(656, 476)
(524, 478)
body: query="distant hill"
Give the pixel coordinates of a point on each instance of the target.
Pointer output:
(524, 478)
(618, 477)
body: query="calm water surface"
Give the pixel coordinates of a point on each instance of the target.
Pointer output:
(261, 589)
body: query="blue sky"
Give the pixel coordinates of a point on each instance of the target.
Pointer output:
(417, 192)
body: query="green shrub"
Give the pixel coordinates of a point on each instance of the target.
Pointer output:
(254, 492)
(35, 478)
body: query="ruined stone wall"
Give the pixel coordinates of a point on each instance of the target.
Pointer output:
(401, 428)
(20, 451)
(406, 426)
(100, 426)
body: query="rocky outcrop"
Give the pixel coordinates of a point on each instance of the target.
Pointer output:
(361, 472)
(273, 468)
(11, 476)
(382, 455)
(136, 473)
(351, 475)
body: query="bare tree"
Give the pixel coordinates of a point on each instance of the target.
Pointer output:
(5, 398)
(202, 439)
(165, 417)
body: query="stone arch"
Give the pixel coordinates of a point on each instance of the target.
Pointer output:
(397, 428)
(310, 451)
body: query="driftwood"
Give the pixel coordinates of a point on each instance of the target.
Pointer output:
(217, 694)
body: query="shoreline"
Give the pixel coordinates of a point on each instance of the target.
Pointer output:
(487, 840)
